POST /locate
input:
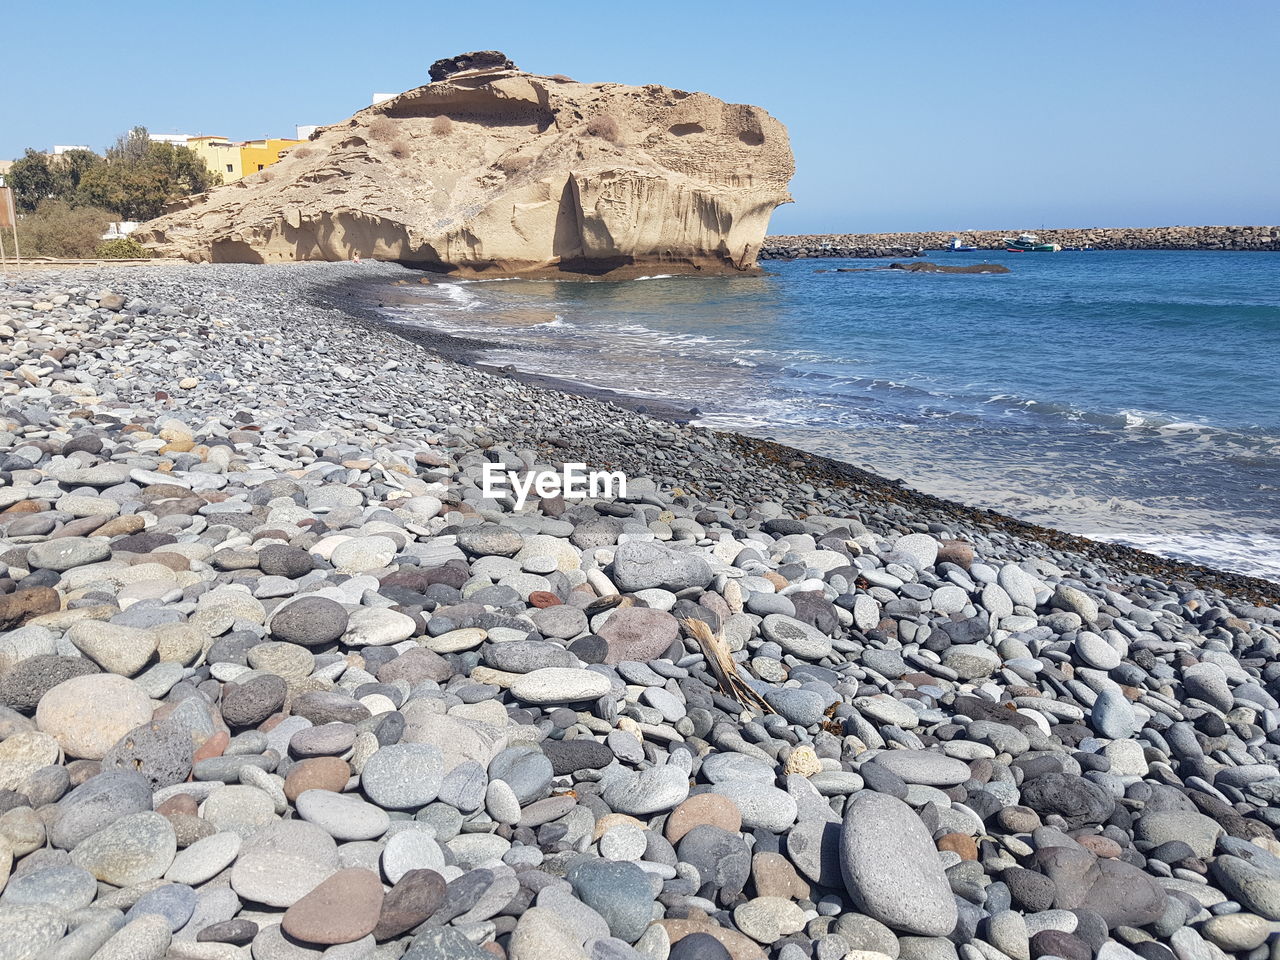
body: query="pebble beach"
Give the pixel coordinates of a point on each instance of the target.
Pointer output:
(278, 681)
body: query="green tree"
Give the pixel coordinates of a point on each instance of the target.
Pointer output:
(69, 170)
(139, 178)
(32, 180)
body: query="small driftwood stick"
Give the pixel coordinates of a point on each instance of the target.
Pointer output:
(724, 667)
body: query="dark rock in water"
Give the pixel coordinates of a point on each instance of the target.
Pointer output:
(476, 60)
(924, 266)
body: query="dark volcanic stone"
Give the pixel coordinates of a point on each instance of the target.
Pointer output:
(310, 621)
(283, 560)
(238, 932)
(580, 754)
(1055, 943)
(1075, 799)
(1030, 891)
(29, 680)
(248, 704)
(698, 946)
(160, 752)
(476, 60)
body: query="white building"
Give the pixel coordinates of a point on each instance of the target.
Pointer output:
(305, 131)
(60, 148)
(177, 139)
(382, 98)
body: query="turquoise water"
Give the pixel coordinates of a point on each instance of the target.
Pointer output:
(1127, 396)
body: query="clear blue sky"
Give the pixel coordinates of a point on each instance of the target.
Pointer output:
(934, 114)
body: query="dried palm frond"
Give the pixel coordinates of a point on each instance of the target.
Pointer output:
(723, 666)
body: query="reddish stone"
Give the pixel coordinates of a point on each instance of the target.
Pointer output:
(181, 803)
(316, 773)
(342, 909)
(961, 844)
(542, 599)
(212, 747)
(703, 808)
(17, 608)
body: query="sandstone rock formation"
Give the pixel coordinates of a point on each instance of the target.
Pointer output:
(496, 172)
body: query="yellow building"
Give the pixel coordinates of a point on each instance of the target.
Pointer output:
(220, 155)
(257, 155)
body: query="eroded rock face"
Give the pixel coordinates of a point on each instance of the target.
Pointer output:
(492, 171)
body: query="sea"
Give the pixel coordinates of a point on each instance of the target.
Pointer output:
(1127, 396)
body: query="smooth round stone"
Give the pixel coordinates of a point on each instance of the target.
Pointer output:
(921, 548)
(949, 599)
(403, 776)
(326, 740)
(722, 767)
(411, 850)
(343, 817)
(204, 859)
(175, 902)
(624, 842)
(703, 808)
(64, 888)
(637, 633)
(1113, 716)
(891, 868)
(309, 622)
(471, 850)
(88, 714)
(525, 769)
(116, 649)
(796, 637)
(763, 806)
(1096, 652)
(650, 791)
(378, 627)
(768, 919)
(501, 803)
(27, 929)
(971, 661)
(361, 554)
(22, 754)
(580, 753)
(286, 660)
(456, 641)
(1237, 932)
(619, 892)
(282, 861)
(802, 707)
(146, 937)
(924, 767)
(66, 553)
(414, 898)
(97, 803)
(134, 849)
(553, 685)
(343, 908)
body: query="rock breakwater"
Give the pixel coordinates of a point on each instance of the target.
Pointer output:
(864, 245)
(342, 704)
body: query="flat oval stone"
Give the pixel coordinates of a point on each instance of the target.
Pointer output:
(282, 861)
(137, 848)
(343, 908)
(342, 816)
(560, 685)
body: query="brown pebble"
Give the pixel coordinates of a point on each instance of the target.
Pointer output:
(1100, 846)
(181, 803)
(709, 808)
(342, 909)
(212, 747)
(961, 844)
(543, 599)
(316, 773)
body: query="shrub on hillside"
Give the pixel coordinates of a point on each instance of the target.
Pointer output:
(58, 229)
(442, 126)
(122, 248)
(400, 150)
(382, 128)
(605, 126)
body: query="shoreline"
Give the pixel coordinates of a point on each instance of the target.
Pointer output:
(810, 466)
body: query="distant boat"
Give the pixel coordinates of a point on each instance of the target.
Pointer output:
(1029, 243)
(956, 245)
